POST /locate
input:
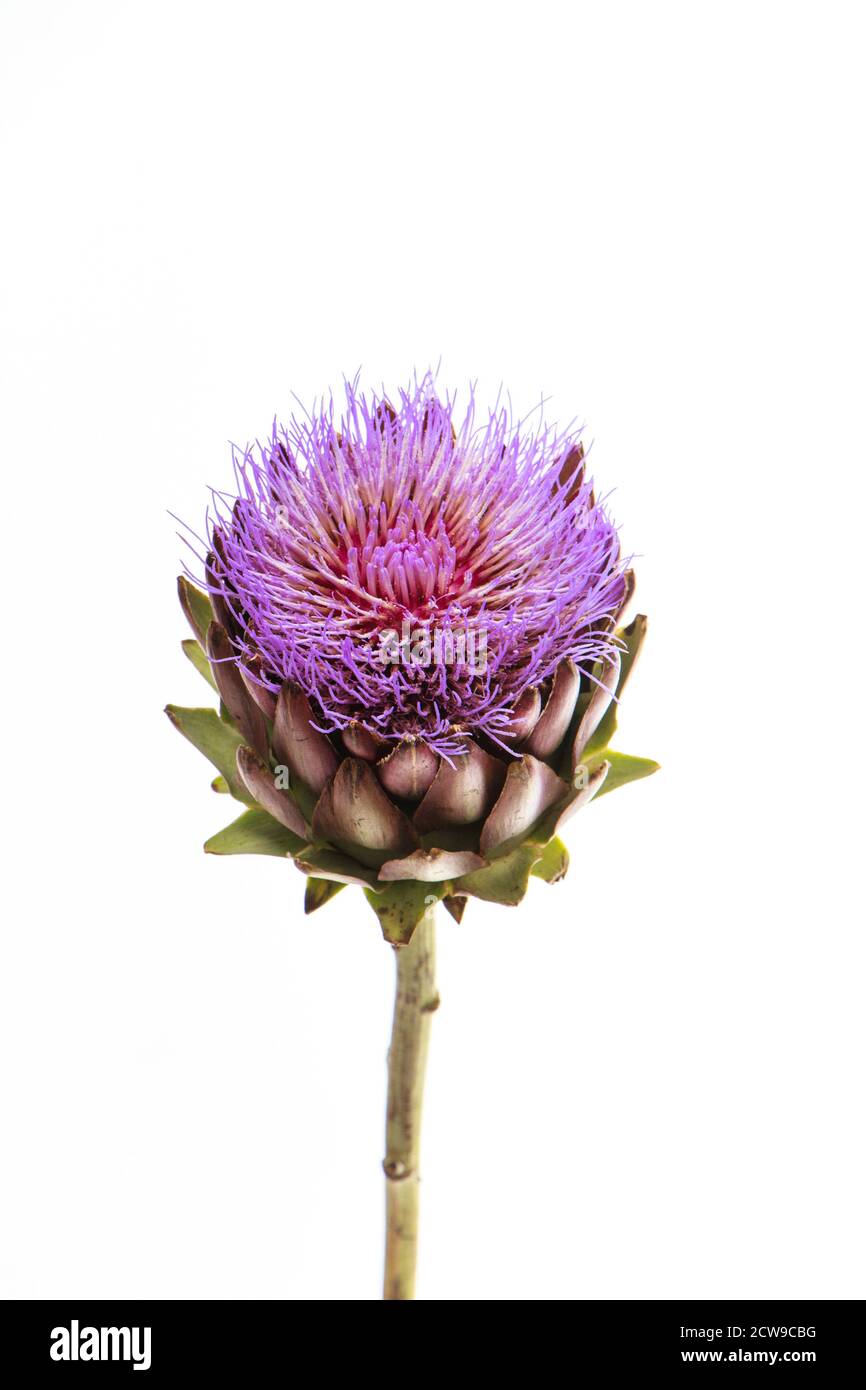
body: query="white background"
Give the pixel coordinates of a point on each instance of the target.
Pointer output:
(647, 1082)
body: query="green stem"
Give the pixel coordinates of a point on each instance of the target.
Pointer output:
(414, 1007)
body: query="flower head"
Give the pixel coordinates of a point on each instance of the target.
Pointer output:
(411, 621)
(361, 548)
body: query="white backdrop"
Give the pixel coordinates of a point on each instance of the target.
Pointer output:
(647, 1082)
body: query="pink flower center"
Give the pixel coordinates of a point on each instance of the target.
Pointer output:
(402, 564)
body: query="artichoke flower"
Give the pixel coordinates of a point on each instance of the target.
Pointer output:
(413, 622)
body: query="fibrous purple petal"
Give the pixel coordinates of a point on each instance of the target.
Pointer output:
(483, 535)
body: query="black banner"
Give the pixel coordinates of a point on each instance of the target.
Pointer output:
(155, 1340)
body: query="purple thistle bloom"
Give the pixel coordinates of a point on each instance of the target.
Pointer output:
(484, 538)
(413, 626)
